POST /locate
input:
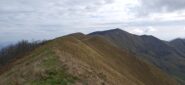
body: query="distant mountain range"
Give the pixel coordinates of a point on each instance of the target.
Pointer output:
(112, 57)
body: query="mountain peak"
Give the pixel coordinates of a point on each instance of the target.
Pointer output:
(149, 37)
(177, 40)
(78, 35)
(116, 30)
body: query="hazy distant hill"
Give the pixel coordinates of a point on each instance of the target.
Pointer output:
(79, 59)
(1, 45)
(178, 44)
(4, 44)
(167, 56)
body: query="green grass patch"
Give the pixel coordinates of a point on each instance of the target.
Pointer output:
(54, 72)
(55, 77)
(179, 76)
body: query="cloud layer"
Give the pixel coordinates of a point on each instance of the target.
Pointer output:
(155, 6)
(46, 19)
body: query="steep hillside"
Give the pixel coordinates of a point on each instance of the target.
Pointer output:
(160, 53)
(78, 59)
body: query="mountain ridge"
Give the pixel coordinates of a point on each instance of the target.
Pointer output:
(80, 59)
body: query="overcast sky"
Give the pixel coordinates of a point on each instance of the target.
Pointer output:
(46, 19)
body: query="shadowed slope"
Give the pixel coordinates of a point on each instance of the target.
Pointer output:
(156, 51)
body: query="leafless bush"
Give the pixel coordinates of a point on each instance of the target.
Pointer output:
(18, 50)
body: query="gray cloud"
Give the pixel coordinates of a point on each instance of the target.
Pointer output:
(145, 23)
(155, 6)
(48, 11)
